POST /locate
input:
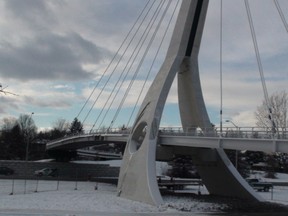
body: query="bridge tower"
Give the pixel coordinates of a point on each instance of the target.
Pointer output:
(137, 180)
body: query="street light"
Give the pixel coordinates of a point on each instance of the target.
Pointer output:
(232, 123)
(236, 151)
(27, 151)
(28, 138)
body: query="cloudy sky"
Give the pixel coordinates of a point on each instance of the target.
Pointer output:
(53, 52)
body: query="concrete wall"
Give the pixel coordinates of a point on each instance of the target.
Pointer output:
(67, 171)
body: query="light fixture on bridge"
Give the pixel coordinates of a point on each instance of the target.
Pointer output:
(232, 123)
(236, 151)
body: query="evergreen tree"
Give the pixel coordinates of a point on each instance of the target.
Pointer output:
(76, 127)
(12, 144)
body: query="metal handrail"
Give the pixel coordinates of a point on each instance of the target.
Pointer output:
(225, 132)
(229, 132)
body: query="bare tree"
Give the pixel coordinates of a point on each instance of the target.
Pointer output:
(8, 123)
(60, 128)
(61, 125)
(275, 122)
(29, 130)
(27, 125)
(2, 90)
(278, 103)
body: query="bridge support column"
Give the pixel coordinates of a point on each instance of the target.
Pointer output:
(220, 176)
(137, 180)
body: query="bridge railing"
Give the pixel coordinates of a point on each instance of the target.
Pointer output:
(225, 132)
(229, 132)
(93, 132)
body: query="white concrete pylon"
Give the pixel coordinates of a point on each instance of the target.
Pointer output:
(137, 180)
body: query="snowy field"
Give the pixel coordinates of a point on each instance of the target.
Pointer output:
(90, 198)
(279, 194)
(82, 197)
(32, 197)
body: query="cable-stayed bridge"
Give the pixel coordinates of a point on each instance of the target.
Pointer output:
(146, 141)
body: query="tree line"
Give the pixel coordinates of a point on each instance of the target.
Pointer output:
(20, 140)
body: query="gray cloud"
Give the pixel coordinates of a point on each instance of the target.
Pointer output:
(47, 47)
(34, 13)
(50, 57)
(49, 102)
(25, 8)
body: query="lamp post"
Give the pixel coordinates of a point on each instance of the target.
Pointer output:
(28, 139)
(236, 151)
(232, 123)
(27, 152)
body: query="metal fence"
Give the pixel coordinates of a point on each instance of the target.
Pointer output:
(22, 186)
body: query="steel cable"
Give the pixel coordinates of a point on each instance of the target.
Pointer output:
(146, 51)
(139, 46)
(110, 63)
(154, 59)
(134, 35)
(259, 64)
(281, 14)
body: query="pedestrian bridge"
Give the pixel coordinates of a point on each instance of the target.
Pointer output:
(246, 138)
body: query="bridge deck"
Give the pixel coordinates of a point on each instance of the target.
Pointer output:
(240, 139)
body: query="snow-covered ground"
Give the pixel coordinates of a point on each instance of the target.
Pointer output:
(83, 197)
(90, 198)
(279, 194)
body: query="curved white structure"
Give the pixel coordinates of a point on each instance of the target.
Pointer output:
(137, 180)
